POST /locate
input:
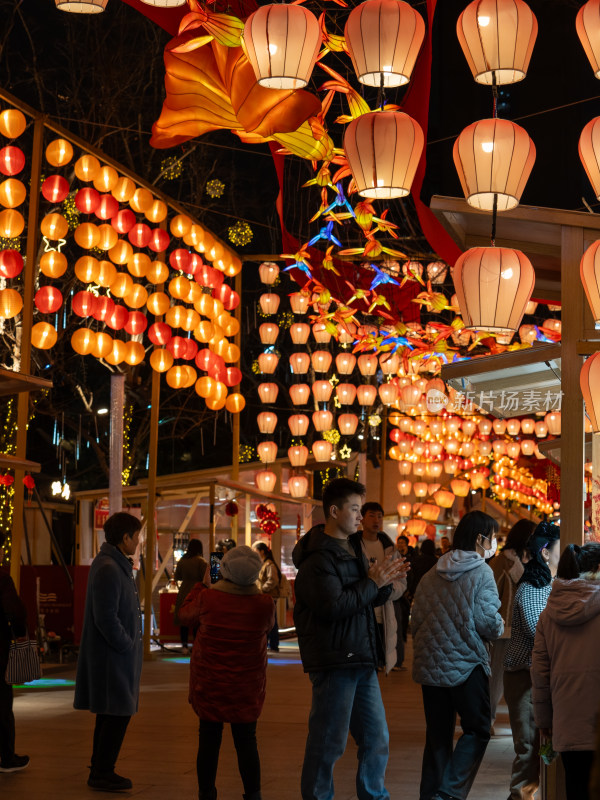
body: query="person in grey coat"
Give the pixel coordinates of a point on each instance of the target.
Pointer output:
(110, 653)
(454, 616)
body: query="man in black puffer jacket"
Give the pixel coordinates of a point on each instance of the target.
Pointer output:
(335, 593)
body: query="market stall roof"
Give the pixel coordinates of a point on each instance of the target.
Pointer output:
(552, 449)
(533, 229)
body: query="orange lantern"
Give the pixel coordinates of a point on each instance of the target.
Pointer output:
(12, 123)
(513, 449)
(139, 265)
(268, 392)
(404, 467)
(299, 302)
(388, 393)
(179, 287)
(121, 253)
(82, 341)
(345, 363)
(389, 363)
(299, 394)
(322, 391)
(347, 424)
(299, 332)
(267, 452)
(282, 43)
(499, 426)
(553, 421)
(322, 336)
(86, 168)
(180, 225)
(157, 272)
(367, 364)
(298, 424)
(497, 38)
(102, 345)
(345, 393)
(321, 360)
(205, 386)
(299, 362)
(265, 480)
(11, 303)
(298, 454)
(161, 360)
(136, 296)
(157, 211)
(53, 264)
(322, 420)
(87, 235)
(121, 284)
(158, 303)
(366, 394)
(117, 354)
(298, 486)
(420, 489)
(106, 179)
(141, 201)
(404, 509)
(384, 38)
(43, 335)
(460, 487)
(12, 223)
(493, 158)
(134, 353)
(404, 488)
(267, 363)
(123, 190)
(322, 450)
(267, 421)
(12, 193)
(493, 285)
(527, 447)
(383, 151)
(108, 237)
(59, 152)
(235, 403)
(589, 270)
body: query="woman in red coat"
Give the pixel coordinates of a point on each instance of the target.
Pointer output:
(228, 666)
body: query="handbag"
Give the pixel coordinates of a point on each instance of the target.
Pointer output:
(23, 662)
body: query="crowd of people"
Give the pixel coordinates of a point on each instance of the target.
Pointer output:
(523, 623)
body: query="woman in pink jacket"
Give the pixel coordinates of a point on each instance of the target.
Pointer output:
(229, 666)
(565, 669)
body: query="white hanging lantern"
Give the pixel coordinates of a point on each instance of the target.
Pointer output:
(85, 6)
(298, 455)
(298, 486)
(299, 332)
(268, 332)
(322, 420)
(265, 480)
(267, 421)
(322, 450)
(268, 272)
(298, 424)
(267, 452)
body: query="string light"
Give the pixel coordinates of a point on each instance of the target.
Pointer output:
(127, 449)
(247, 453)
(215, 188)
(70, 211)
(240, 234)
(286, 318)
(171, 168)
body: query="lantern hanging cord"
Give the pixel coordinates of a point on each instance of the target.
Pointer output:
(495, 95)
(381, 93)
(494, 215)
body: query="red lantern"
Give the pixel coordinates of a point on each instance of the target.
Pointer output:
(180, 259)
(177, 346)
(217, 369)
(233, 377)
(83, 304)
(48, 299)
(123, 221)
(11, 263)
(192, 350)
(103, 308)
(55, 188)
(12, 160)
(140, 235)
(87, 200)
(209, 276)
(107, 207)
(137, 323)
(118, 319)
(29, 482)
(159, 333)
(231, 509)
(205, 358)
(228, 296)
(159, 240)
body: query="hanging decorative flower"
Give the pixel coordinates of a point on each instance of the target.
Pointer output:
(286, 319)
(215, 188)
(332, 436)
(232, 509)
(70, 211)
(374, 420)
(268, 519)
(247, 453)
(171, 168)
(6, 480)
(240, 234)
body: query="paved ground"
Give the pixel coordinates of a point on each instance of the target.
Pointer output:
(160, 746)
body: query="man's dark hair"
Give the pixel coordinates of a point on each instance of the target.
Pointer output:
(225, 545)
(518, 536)
(470, 527)
(120, 524)
(372, 505)
(447, 538)
(338, 491)
(403, 537)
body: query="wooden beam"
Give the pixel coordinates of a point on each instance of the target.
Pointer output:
(538, 354)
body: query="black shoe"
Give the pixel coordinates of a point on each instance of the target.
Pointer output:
(109, 782)
(15, 764)
(274, 649)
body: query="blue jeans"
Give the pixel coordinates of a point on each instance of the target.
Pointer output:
(342, 700)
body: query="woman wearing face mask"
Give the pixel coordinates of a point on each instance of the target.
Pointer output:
(543, 550)
(565, 668)
(454, 616)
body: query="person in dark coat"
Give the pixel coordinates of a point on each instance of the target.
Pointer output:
(336, 590)
(13, 622)
(421, 564)
(228, 668)
(190, 569)
(110, 653)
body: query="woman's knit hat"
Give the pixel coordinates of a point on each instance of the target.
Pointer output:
(241, 565)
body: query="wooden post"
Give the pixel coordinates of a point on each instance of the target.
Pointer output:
(151, 507)
(212, 522)
(572, 435)
(382, 456)
(247, 523)
(235, 448)
(595, 484)
(26, 325)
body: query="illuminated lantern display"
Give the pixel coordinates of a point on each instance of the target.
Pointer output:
(298, 486)
(43, 335)
(553, 421)
(298, 424)
(117, 354)
(321, 360)
(105, 179)
(123, 221)
(299, 363)
(159, 241)
(87, 235)
(268, 392)
(384, 38)
(136, 296)
(404, 509)
(59, 152)
(139, 264)
(366, 394)
(500, 426)
(434, 469)
(320, 333)
(118, 319)
(299, 302)
(102, 345)
(177, 346)
(322, 420)
(322, 450)
(388, 393)
(589, 149)
(383, 151)
(180, 226)
(107, 207)
(121, 284)
(12, 123)
(233, 376)
(299, 394)
(485, 427)
(345, 393)
(404, 467)
(513, 449)
(265, 480)
(430, 512)
(345, 363)
(179, 287)
(497, 38)
(268, 272)
(504, 277)
(420, 489)
(48, 299)
(589, 271)
(493, 158)
(282, 43)
(157, 211)
(322, 391)
(121, 253)
(267, 421)
(367, 365)
(123, 190)
(267, 452)
(11, 303)
(134, 353)
(108, 237)
(11, 263)
(158, 303)
(268, 332)
(389, 363)
(12, 223)
(541, 429)
(86, 168)
(12, 160)
(527, 447)
(137, 323)
(55, 189)
(460, 487)
(404, 488)
(267, 363)
(499, 447)
(269, 303)
(347, 424)
(82, 341)
(235, 403)
(410, 394)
